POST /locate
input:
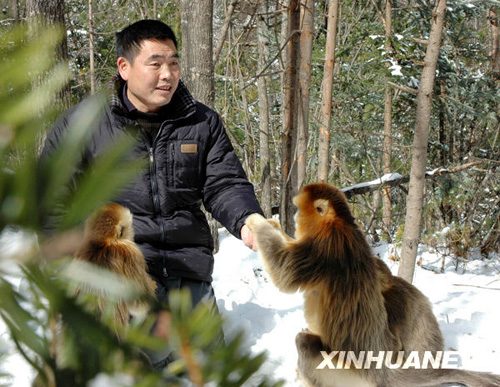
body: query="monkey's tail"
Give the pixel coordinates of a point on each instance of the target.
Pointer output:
(437, 377)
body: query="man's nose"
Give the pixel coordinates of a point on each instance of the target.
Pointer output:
(165, 73)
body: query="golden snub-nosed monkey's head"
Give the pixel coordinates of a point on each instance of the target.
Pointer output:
(320, 207)
(111, 221)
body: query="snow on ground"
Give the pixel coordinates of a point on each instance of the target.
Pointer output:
(465, 303)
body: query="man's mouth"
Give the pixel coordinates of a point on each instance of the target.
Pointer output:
(164, 88)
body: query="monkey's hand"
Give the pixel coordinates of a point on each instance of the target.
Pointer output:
(255, 222)
(307, 342)
(309, 347)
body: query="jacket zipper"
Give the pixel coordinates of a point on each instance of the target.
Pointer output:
(154, 189)
(172, 149)
(156, 200)
(154, 185)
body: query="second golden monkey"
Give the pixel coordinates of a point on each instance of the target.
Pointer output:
(352, 302)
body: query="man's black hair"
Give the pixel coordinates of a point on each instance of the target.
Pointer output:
(128, 41)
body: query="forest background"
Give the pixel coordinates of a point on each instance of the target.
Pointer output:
(333, 91)
(285, 89)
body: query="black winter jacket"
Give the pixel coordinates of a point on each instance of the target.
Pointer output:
(190, 161)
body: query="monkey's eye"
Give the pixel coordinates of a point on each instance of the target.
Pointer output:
(320, 210)
(120, 233)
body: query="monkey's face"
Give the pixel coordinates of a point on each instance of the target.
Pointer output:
(314, 215)
(110, 222)
(125, 229)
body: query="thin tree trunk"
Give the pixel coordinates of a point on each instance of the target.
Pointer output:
(495, 52)
(415, 199)
(327, 86)
(289, 117)
(15, 11)
(51, 12)
(197, 56)
(225, 28)
(197, 63)
(306, 43)
(249, 149)
(387, 206)
(265, 159)
(91, 48)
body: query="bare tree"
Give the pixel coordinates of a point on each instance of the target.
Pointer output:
(415, 200)
(495, 52)
(327, 86)
(49, 13)
(249, 148)
(288, 169)
(225, 28)
(262, 85)
(197, 42)
(387, 155)
(15, 11)
(306, 43)
(197, 63)
(52, 12)
(91, 48)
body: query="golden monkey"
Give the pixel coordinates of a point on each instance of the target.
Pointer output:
(352, 302)
(109, 243)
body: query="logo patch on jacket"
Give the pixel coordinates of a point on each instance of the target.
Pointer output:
(189, 148)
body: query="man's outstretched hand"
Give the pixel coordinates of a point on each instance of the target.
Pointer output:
(247, 238)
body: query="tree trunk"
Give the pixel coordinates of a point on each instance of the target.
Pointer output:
(197, 63)
(288, 169)
(265, 159)
(248, 149)
(495, 52)
(197, 42)
(306, 43)
(51, 12)
(327, 86)
(15, 11)
(387, 206)
(91, 48)
(415, 199)
(225, 28)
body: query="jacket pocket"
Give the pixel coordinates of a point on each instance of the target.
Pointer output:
(184, 167)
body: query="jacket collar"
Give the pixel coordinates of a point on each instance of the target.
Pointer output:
(182, 104)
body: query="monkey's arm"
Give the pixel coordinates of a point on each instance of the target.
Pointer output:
(276, 225)
(276, 250)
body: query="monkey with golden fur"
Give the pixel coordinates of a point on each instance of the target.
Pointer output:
(352, 302)
(108, 242)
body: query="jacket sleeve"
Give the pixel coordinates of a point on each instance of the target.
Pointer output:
(228, 195)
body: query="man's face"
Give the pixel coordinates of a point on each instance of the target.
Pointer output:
(153, 76)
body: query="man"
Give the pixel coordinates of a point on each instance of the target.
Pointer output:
(190, 162)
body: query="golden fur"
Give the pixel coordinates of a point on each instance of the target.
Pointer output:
(109, 243)
(352, 302)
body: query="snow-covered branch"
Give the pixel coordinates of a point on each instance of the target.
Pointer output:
(395, 179)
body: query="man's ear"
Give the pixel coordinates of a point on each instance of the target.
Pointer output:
(123, 67)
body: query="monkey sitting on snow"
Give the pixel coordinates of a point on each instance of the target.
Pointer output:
(352, 302)
(109, 243)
